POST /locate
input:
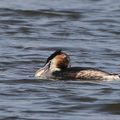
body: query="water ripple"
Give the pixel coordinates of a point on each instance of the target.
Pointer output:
(88, 30)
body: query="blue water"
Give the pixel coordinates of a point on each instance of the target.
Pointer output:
(31, 30)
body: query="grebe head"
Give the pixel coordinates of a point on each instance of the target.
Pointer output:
(55, 62)
(60, 62)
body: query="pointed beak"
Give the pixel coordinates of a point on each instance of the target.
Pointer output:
(43, 71)
(46, 67)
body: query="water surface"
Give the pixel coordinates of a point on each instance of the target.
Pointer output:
(88, 30)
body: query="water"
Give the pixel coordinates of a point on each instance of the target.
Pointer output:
(30, 30)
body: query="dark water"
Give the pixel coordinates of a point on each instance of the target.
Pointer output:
(30, 30)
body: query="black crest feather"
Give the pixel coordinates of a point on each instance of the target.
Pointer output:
(57, 52)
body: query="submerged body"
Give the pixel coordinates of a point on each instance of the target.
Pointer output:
(84, 73)
(58, 67)
(77, 73)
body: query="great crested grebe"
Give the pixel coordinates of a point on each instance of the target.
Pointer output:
(58, 66)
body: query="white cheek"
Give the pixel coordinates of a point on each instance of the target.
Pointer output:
(53, 66)
(53, 63)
